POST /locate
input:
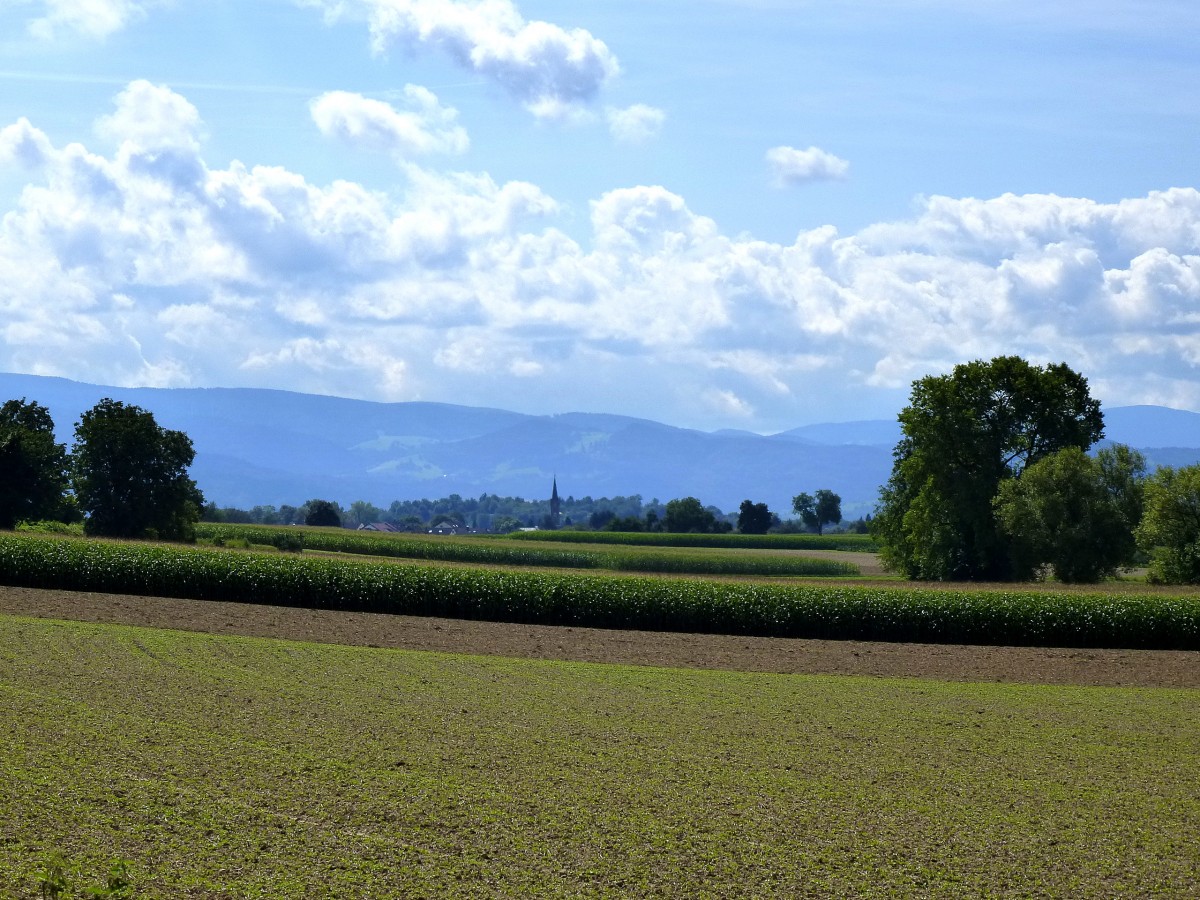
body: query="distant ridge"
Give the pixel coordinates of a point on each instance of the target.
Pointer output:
(259, 446)
(1152, 426)
(867, 433)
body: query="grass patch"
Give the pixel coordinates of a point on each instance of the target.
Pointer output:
(236, 767)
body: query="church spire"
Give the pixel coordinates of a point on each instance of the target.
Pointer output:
(555, 503)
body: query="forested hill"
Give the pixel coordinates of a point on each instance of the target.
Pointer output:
(274, 447)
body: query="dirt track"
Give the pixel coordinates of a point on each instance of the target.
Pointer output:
(1140, 668)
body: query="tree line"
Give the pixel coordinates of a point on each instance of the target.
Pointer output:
(993, 480)
(488, 512)
(494, 513)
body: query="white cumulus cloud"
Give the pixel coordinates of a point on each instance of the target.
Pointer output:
(727, 403)
(635, 124)
(543, 65)
(152, 117)
(790, 166)
(91, 18)
(424, 127)
(22, 144)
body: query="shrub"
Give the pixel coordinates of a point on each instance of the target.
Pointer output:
(51, 527)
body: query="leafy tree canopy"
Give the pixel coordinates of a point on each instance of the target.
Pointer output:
(688, 515)
(363, 513)
(1170, 527)
(506, 524)
(828, 509)
(963, 435)
(322, 513)
(817, 512)
(755, 518)
(1073, 513)
(805, 506)
(130, 475)
(600, 518)
(33, 467)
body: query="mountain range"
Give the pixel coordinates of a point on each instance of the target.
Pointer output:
(256, 446)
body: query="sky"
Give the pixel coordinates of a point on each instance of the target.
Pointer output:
(748, 214)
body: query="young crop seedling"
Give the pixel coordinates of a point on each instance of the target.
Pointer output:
(58, 877)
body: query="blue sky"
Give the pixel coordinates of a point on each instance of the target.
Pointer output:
(723, 213)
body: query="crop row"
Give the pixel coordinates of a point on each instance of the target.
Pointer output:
(860, 542)
(485, 551)
(809, 611)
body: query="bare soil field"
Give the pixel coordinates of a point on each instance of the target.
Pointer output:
(1125, 668)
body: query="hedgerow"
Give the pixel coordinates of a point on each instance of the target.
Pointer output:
(812, 611)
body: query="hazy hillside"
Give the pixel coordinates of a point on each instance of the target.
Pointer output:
(1152, 426)
(263, 446)
(868, 433)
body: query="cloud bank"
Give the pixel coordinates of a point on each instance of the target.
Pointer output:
(144, 264)
(554, 72)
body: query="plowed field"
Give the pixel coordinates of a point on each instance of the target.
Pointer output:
(1127, 668)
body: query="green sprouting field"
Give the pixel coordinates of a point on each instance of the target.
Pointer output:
(236, 767)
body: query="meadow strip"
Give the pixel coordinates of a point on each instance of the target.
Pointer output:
(1019, 618)
(710, 562)
(859, 542)
(496, 551)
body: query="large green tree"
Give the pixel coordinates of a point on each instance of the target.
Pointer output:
(817, 512)
(1074, 513)
(963, 435)
(362, 512)
(1170, 527)
(131, 475)
(687, 514)
(755, 518)
(322, 513)
(828, 509)
(33, 466)
(805, 506)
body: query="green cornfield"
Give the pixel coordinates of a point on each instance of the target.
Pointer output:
(816, 610)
